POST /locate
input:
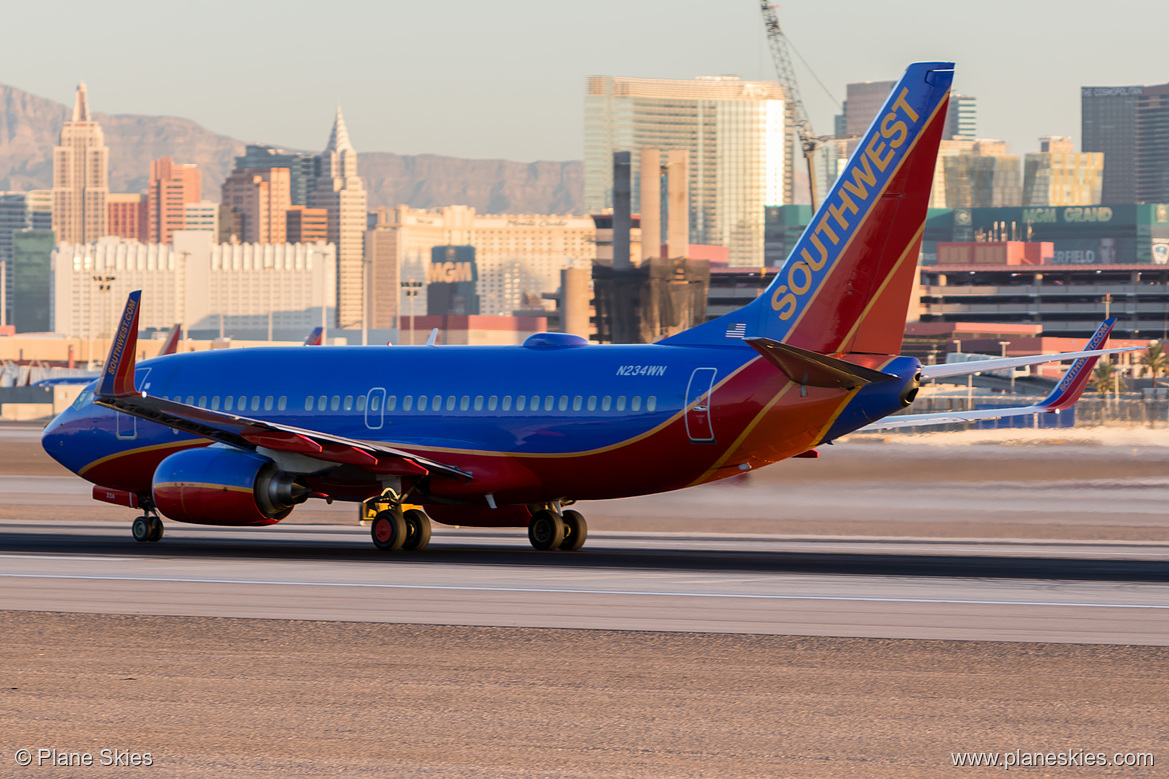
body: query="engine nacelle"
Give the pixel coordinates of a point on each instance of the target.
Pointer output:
(213, 486)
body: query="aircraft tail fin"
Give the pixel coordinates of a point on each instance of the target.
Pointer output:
(314, 338)
(1075, 379)
(846, 285)
(117, 376)
(172, 340)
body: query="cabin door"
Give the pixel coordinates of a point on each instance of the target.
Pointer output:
(698, 425)
(375, 408)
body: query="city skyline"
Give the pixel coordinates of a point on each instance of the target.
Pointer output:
(512, 69)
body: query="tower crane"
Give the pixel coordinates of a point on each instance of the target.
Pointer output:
(809, 141)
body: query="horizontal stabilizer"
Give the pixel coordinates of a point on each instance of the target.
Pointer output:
(816, 370)
(946, 370)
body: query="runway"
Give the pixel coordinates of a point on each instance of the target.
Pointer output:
(1080, 592)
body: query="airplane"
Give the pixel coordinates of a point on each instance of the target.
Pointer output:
(511, 436)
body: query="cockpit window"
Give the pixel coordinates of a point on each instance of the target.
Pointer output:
(85, 398)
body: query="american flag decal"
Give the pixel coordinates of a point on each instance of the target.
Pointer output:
(737, 330)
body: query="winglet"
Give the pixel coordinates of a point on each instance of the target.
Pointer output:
(172, 340)
(314, 338)
(1072, 385)
(117, 378)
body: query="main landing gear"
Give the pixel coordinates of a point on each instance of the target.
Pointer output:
(393, 529)
(549, 529)
(147, 528)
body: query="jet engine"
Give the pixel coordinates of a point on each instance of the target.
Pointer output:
(218, 486)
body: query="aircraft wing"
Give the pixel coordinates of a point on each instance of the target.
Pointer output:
(1064, 396)
(116, 390)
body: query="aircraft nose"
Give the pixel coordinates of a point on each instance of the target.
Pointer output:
(54, 435)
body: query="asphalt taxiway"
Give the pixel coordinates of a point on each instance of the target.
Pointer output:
(1081, 592)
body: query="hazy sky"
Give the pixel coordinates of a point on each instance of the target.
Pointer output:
(506, 78)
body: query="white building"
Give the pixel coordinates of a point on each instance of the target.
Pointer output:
(515, 253)
(202, 216)
(227, 288)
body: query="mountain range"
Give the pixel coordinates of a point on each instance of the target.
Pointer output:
(30, 126)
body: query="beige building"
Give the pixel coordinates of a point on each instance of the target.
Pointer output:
(341, 193)
(1057, 176)
(194, 281)
(260, 199)
(515, 253)
(984, 177)
(81, 180)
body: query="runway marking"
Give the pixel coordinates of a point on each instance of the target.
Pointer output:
(552, 591)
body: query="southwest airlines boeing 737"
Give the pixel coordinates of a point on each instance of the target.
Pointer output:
(510, 436)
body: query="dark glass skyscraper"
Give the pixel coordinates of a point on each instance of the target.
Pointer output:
(301, 168)
(1131, 126)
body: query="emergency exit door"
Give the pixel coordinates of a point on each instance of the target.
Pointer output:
(698, 423)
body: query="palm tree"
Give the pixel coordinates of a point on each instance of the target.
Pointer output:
(1155, 360)
(1106, 378)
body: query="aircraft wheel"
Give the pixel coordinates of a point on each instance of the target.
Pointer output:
(388, 530)
(141, 529)
(546, 530)
(576, 530)
(156, 529)
(417, 530)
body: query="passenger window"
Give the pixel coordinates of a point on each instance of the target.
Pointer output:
(606, 403)
(635, 402)
(243, 403)
(229, 403)
(348, 403)
(563, 405)
(391, 403)
(535, 404)
(592, 402)
(620, 402)
(322, 401)
(450, 402)
(492, 403)
(361, 402)
(651, 403)
(308, 403)
(464, 403)
(521, 402)
(190, 400)
(255, 402)
(577, 403)
(268, 403)
(335, 403)
(202, 401)
(282, 403)
(548, 401)
(478, 402)
(436, 403)
(215, 403)
(421, 402)
(408, 403)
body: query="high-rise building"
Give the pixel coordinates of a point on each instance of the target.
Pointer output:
(301, 168)
(515, 253)
(1152, 148)
(1057, 176)
(261, 200)
(80, 176)
(202, 216)
(987, 177)
(340, 192)
(961, 118)
(32, 252)
(736, 134)
(128, 216)
(385, 275)
(1108, 125)
(172, 187)
(862, 102)
(305, 225)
